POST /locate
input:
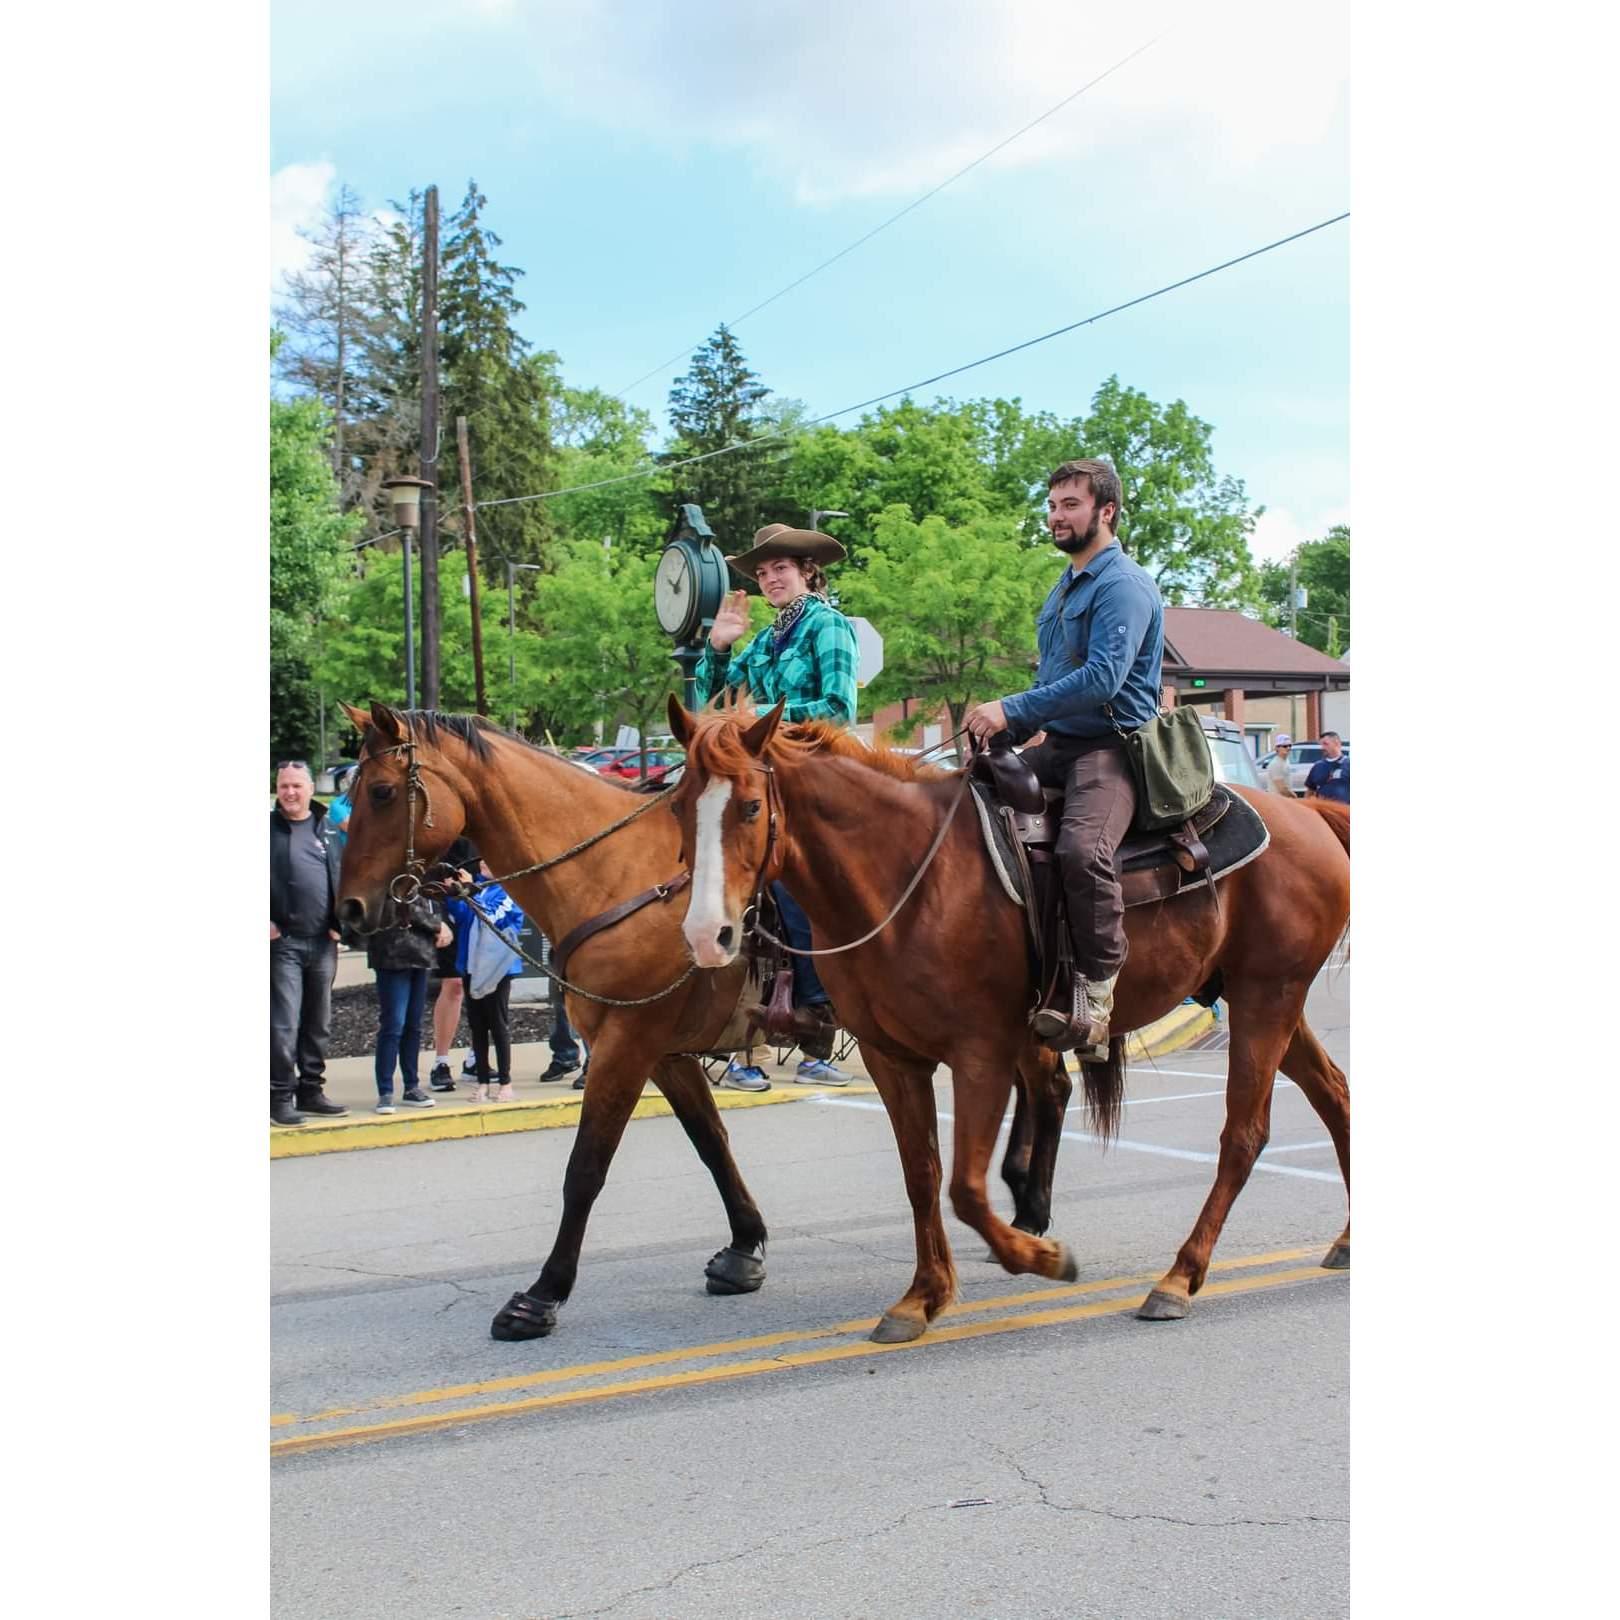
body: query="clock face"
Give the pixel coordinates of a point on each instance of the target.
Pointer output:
(674, 591)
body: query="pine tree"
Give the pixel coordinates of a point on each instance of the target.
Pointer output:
(720, 402)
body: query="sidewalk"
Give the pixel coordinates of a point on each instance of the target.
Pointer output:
(350, 1081)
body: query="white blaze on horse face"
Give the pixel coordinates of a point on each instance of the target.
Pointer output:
(706, 915)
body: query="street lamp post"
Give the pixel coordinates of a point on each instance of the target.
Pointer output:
(405, 496)
(511, 629)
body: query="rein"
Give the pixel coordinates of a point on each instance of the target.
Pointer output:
(408, 883)
(757, 927)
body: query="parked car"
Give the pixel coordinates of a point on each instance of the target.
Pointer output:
(626, 763)
(1234, 764)
(1300, 759)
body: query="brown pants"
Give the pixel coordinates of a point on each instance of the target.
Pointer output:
(1099, 802)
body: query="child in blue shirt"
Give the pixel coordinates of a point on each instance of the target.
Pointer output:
(488, 1017)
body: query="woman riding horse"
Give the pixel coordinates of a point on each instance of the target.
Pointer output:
(806, 658)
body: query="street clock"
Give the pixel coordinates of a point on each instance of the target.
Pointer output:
(691, 580)
(688, 588)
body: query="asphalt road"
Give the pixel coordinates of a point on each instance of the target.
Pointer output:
(1041, 1453)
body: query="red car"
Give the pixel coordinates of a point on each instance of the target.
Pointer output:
(626, 762)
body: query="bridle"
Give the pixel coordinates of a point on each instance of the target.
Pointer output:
(755, 926)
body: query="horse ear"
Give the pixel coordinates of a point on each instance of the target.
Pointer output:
(760, 733)
(358, 718)
(388, 721)
(681, 721)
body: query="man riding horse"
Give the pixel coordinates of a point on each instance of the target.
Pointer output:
(1101, 639)
(806, 657)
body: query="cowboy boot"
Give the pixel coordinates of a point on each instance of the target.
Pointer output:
(1092, 1047)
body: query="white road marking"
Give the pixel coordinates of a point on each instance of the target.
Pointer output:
(1119, 1142)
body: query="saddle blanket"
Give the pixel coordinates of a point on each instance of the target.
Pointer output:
(1148, 870)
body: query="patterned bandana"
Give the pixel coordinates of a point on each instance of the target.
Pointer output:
(786, 618)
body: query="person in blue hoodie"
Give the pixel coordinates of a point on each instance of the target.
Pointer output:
(488, 1017)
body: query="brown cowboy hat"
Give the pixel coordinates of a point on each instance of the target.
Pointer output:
(778, 540)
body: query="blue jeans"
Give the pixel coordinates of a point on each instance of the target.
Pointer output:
(564, 1045)
(807, 988)
(301, 971)
(401, 993)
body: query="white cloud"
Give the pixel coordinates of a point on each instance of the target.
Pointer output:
(1278, 531)
(298, 193)
(886, 97)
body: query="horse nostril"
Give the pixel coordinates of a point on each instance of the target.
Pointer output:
(351, 913)
(724, 937)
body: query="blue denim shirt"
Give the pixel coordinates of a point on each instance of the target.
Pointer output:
(1101, 635)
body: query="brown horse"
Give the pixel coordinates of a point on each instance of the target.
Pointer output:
(843, 825)
(425, 778)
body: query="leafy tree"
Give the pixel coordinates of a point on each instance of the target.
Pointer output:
(955, 604)
(721, 402)
(309, 539)
(1182, 522)
(605, 657)
(363, 644)
(1324, 572)
(601, 439)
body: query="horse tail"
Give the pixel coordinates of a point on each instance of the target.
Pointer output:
(1336, 815)
(1105, 1090)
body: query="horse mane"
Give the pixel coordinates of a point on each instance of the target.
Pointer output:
(716, 747)
(475, 731)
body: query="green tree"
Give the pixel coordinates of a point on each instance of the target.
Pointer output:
(605, 657)
(721, 402)
(955, 604)
(600, 440)
(1184, 523)
(309, 539)
(1324, 573)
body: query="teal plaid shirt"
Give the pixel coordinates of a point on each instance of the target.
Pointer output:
(815, 670)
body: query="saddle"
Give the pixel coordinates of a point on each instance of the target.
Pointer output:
(1019, 819)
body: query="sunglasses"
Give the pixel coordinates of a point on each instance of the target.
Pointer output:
(292, 765)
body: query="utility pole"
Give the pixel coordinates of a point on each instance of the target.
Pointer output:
(464, 460)
(1293, 593)
(430, 447)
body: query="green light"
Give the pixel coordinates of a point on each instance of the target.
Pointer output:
(1198, 682)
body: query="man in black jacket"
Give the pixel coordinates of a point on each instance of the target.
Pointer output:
(305, 858)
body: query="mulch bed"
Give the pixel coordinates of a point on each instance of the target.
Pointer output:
(354, 1022)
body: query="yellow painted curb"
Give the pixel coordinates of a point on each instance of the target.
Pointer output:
(500, 1119)
(1169, 1034)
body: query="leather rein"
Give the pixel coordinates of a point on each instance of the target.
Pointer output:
(412, 881)
(758, 928)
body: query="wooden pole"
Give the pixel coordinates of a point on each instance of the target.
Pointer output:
(430, 447)
(469, 530)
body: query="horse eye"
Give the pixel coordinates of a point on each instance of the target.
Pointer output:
(382, 792)
(749, 809)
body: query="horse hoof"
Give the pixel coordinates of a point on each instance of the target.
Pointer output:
(1068, 1268)
(734, 1271)
(1163, 1306)
(897, 1330)
(1337, 1258)
(524, 1317)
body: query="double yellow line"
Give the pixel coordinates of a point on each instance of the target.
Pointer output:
(948, 1329)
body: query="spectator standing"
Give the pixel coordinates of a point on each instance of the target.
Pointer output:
(1329, 777)
(342, 807)
(304, 876)
(564, 1042)
(447, 1004)
(400, 957)
(1278, 773)
(488, 1016)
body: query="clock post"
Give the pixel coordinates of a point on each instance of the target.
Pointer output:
(688, 588)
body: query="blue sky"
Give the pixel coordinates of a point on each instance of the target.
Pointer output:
(657, 169)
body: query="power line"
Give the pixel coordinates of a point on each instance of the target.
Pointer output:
(955, 371)
(895, 218)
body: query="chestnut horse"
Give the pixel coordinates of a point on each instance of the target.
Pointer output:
(425, 778)
(843, 827)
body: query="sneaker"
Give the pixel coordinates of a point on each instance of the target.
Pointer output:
(744, 1077)
(441, 1079)
(505, 1094)
(819, 1072)
(558, 1070)
(385, 1105)
(579, 1083)
(469, 1067)
(416, 1097)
